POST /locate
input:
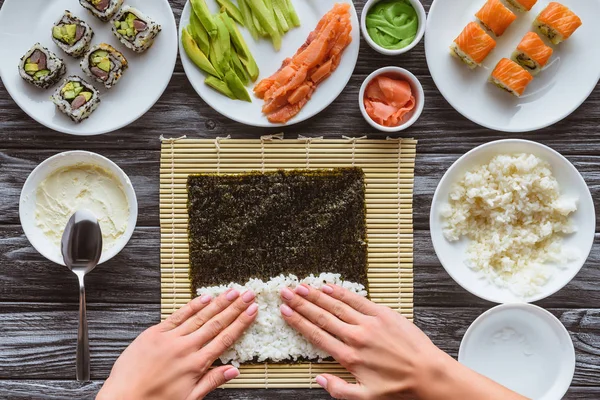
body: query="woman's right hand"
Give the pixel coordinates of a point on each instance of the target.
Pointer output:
(387, 354)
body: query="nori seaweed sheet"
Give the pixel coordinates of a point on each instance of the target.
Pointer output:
(261, 225)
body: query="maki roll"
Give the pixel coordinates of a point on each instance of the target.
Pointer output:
(72, 35)
(495, 17)
(76, 98)
(41, 67)
(532, 53)
(103, 9)
(510, 76)
(522, 5)
(104, 64)
(473, 45)
(135, 30)
(557, 22)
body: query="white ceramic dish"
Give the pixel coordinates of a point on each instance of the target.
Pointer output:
(522, 347)
(140, 88)
(452, 255)
(422, 24)
(417, 90)
(310, 13)
(568, 80)
(27, 202)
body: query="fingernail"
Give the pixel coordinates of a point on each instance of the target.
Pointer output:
(232, 295)
(286, 310)
(206, 299)
(321, 382)
(302, 290)
(252, 309)
(287, 294)
(249, 296)
(329, 290)
(231, 373)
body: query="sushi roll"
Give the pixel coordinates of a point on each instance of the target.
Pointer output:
(557, 22)
(473, 45)
(72, 35)
(522, 5)
(104, 64)
(135, 30)
(76, 98)
(495, 17)
(510, 76)
(532, 53)
(104, 10)
(41, 67)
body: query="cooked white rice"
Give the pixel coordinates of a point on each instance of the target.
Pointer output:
(270, 337)
(512, 211)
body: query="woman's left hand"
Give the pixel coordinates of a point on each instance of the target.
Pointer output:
(172, 359)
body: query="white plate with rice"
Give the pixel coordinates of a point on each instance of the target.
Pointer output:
(493, 258)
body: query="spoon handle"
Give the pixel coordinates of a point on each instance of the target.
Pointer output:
(83, 346)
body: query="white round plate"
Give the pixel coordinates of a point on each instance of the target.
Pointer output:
(140, 88)
(269, 61)
(453, 254)
(27, 202)
(522, 347)
(568, 80)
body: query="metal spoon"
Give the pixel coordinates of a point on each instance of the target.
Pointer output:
(81, 249)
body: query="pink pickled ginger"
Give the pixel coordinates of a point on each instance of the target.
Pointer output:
(387, 100)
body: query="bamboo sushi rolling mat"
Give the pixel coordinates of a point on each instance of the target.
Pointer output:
(389, 173)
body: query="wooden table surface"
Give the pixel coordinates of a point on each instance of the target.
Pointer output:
(39, 300)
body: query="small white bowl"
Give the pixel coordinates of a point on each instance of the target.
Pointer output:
(27, 202)
(452, 255)
(420, 32)
(524, 348)
(417, 90)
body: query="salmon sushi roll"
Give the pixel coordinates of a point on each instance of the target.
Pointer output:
(557, 22)
(522, 5)
(532, 53)
(496, 17)
(510, 76)
(473, 45)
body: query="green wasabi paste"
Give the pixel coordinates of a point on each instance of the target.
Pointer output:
(392, 24)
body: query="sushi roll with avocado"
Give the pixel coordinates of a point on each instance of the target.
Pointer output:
(135, 30)
(76, 98)
(104, 64)
(104, 10)
(41, 67)
(72, 35)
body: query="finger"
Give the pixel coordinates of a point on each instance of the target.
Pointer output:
(185, 312)
(200, 318)
(221, 321)
(313, 333)
(336, 307)
(212, 380)
(357, 302)
(229, 336)
(339, 388)
(315, 314)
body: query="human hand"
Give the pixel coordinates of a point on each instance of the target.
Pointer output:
(171, 360)
(387, 354)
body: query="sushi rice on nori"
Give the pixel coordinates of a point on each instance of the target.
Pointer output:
(522, 5)
(103, 9)
(510, 76)
(495, 17)
(557, 22)
(473, 45)
(41, 67)
(104, 64)
(76, 98)
(532, 53)
(72, 35)
(135, 30)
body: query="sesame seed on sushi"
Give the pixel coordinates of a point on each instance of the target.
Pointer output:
(473, 45)
(104, 64)
(104, 10)
(72, 35)
(532, 53)
(134, 29)
(76, 98)
(557, 22)
(41, 67)
(496, 17)
(510, 76)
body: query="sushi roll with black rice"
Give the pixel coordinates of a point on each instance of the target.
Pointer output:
(41, 67)
(72, 35)
(103, 9)
(104, 64)
(134, 29)
(76, 98)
